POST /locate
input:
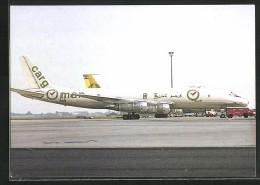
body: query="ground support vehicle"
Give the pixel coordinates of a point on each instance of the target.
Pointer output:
(211, 113)
(251, 112)
(237, 111)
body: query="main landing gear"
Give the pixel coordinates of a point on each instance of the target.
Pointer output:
(131, 116)
(161, 115)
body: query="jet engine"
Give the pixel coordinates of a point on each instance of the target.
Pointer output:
(163, 108)
(142, 107)
(132, 107)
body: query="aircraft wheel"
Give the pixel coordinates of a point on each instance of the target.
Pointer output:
(161, 115)
(131, 116)
(230, 116)
(134, 116)
(125, 117)
(137, 116)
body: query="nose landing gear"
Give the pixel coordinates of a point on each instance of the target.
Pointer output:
(131, 116)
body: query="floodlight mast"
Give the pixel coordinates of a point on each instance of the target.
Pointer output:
(171, 54)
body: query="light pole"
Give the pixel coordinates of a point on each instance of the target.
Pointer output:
(171, 54)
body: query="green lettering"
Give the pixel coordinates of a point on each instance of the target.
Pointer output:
(38, 74)
(64, 95)
(80, 93)
(41, 78)
(44, 84)
(73, 95)
(34, 67)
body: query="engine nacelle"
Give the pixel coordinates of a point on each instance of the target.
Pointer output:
(132, 107)
(152, 109)
(142, 107)
(163, 108)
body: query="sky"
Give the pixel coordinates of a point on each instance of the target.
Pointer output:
(213, 45)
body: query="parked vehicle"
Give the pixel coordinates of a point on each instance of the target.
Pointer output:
(251, 112)
(237, 111)
(190, 114)
(222, 113)
(211, 113)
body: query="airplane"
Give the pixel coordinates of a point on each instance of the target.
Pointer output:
(90, 81)
(132, 101)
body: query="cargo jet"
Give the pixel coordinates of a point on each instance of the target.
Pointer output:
(158, 102)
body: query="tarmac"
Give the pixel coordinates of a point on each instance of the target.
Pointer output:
(147, 132)
(148, 148)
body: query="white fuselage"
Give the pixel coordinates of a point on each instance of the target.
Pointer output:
(190, 98)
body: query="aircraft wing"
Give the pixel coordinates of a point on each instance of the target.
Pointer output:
(119, 99)
(29, 93)
(106, 99)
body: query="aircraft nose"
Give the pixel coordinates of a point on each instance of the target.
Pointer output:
(242, 102)
(245, 102)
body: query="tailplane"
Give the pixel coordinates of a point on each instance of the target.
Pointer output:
(35, 79)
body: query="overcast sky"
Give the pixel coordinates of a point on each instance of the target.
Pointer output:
(128, 45)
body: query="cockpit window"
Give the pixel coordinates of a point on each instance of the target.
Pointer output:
(234, 94)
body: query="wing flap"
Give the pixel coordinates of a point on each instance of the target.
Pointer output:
(105, 99)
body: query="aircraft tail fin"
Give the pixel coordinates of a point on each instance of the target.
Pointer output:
(35, 79)
(90, 81)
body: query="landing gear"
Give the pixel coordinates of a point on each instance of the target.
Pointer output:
(131, 116)
(125, 117)
(161, 115)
